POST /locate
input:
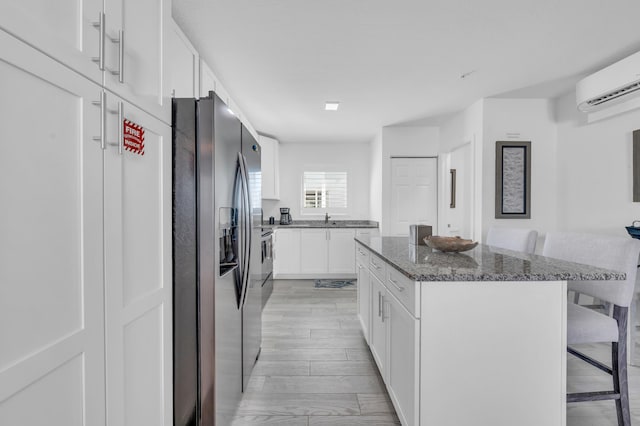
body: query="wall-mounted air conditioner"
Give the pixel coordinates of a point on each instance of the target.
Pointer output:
(612, 90)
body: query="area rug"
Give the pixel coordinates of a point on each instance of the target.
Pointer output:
(346, 284)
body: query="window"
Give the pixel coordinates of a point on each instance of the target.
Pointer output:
(324, 190)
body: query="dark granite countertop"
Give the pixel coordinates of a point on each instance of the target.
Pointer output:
(331, 224)
(483, 263)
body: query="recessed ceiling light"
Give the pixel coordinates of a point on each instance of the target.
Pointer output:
(331, 106)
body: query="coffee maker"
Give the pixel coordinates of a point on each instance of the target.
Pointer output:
(285, 217)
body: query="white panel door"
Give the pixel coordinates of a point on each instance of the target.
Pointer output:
(313, 251)
(51, 249)
(378, 330)
(414, 193)
(286, 256)
(403, 360)
(140, 82)
(62, 29)
(138, 273)
(342, 251)
(458, 218)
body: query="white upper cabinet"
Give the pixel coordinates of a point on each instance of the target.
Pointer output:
(63, 29)
(183, 66)
(270, 168)
(135, 32)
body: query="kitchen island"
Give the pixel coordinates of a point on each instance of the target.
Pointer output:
(474, 338)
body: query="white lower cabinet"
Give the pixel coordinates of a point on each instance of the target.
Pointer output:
(378, 333)
(341, 251)
(403, 358)
(364, 298)
(391, 330)
(286, 257)
(314, 253)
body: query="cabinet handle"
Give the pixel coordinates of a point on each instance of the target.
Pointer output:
(385, 310)
(395, 284)
(382, 309)
(120, 42)
(120, 127)
(102, 103)
(379, 304)
(100, 27)
(374, 265)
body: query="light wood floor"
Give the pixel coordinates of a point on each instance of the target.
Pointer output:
(315, 368)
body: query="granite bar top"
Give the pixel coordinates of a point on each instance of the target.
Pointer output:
(330, 224)
(483, 263)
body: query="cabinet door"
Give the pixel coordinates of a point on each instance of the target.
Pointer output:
(403, 371)
(183, 64)
(270, 168)
(313, 251)
(341, 254)
(378, 332)
(51, 244)
(286, 258)
(364, 298)
(62, 29)
(135, 63)
(138, 272)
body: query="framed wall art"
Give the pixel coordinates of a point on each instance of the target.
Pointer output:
(513, 180)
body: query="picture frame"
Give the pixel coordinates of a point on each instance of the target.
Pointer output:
(513, 180)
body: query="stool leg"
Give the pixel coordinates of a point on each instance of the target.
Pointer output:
(619, 366)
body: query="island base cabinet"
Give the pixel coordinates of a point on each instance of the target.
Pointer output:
(364, 299)
(378, 331)
(500, 366)
(403, 357)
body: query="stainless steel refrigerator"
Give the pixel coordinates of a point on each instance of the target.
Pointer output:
(216, 252)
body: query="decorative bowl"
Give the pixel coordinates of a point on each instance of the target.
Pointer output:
(449, 244)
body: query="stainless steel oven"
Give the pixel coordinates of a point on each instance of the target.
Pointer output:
(267, 265)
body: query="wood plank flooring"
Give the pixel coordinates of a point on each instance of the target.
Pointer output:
(315, 368)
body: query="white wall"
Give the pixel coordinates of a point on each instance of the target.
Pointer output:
(595, 169)
(465, 127)
(398, 142)
(296, 158)
(375, 178)
(522, 120)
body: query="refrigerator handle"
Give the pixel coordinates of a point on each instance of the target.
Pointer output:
(246, 228)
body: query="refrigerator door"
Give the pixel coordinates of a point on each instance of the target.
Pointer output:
(228, 317)
(207, 266)
(185, 332)
(252, 307)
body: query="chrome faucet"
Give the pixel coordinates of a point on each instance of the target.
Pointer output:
(326, 218)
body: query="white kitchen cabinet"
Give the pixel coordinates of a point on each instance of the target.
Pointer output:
(183, 68)
(138, 279)
(51, 250)
(85, 254)
(364, 298)
(69, 31)
(403, 358)
(135, 33)
(270, 168)
(286, 258)
(341, 251)
(368, 232)
(314, 251)
(63, 29)
(378, 331)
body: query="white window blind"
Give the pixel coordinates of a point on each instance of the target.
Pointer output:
(322, 190)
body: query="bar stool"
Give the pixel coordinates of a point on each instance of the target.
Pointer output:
(585, 325)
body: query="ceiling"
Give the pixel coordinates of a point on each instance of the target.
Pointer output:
(397, 62)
